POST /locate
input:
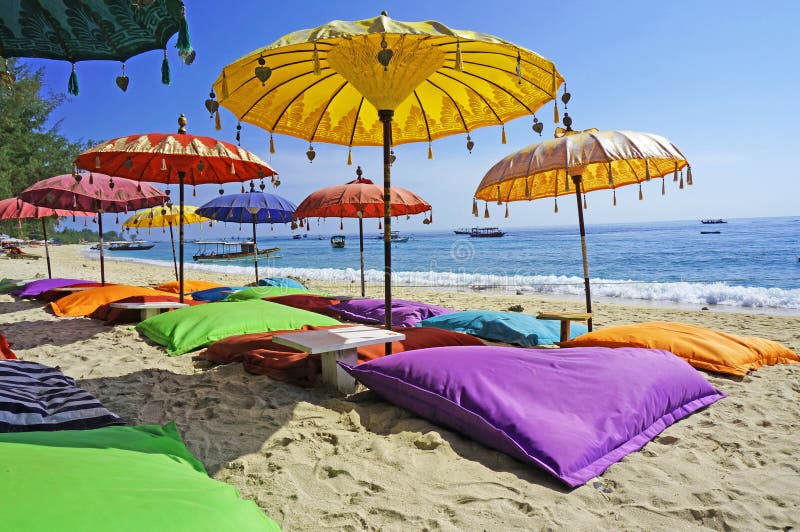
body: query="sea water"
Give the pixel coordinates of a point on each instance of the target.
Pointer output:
(752, 263)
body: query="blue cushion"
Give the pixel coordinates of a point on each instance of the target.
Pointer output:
(508, 327)
(214, 294)
(280, 281)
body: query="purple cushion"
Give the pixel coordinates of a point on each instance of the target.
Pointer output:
(404, 313)
(572, 412)
(35, 288)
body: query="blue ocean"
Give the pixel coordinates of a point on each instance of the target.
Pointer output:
(751, 263)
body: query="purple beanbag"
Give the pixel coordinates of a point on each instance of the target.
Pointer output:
(36, 288)
(572, 412)
(404, 313)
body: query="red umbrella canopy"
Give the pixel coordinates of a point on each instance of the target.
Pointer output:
(16, 209)
(92, 192)
(361, 195)
(158, 157)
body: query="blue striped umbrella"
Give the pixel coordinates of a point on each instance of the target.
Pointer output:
(251, 207)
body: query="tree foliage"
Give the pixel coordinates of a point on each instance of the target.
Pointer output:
(31, 146)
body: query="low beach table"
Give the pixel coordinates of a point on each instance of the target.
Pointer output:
(335, 345)
(74, 288)
(149, 309)
(565, 318)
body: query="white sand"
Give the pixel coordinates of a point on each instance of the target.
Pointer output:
(312, 461)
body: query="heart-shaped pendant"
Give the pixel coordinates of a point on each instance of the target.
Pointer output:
(212, 106)
(384, 56)
(122, 82)
(263, 73)
(538, 126)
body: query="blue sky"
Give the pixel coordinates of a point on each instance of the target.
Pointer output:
(718, 78)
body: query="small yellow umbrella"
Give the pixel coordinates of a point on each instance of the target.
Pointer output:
(381, 82)
(165, 217)
(582, 161)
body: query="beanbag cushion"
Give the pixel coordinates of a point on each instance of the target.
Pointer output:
(214, 294)
(280, 281)
(571, 412)
(9, 285)
(260, 292)
(188, 286)
(190, 328)
(112, 315)
(37, 397)
(404, 313)
(5, 349)
(34, 288)
(418, 338)
(702, 348)
(53, 294)
(85, 302)
(115, 478)
(310, 302)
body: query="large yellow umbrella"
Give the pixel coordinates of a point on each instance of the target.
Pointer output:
(166, 216)
(581, 162)
(380, 82)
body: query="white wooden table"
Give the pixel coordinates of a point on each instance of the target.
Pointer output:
(149, 309)
(74, 288)
(335, 345)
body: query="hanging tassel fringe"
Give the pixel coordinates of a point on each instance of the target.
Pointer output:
(349, 157)
(499, 200)
(341, 225)
(379, 224)
(663, 187)
(242, 188)
(646, 170)
(184, 43)
(675, 175)
(72, 83)
(166, 79)
(271, 144)
(486, 210)
(556, 209)
(430, 151)
(556, 118)
(585, 205)
(689, 175)
(680, 186)
(527, 189)
(503, 137)
(610, 176)
(217, 122)
(615, 197)
(641, 196)
(474, 207)
(506, 209)
(194, 191)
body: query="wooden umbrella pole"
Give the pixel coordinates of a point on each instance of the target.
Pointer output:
(385, 116)
(361, 251)
(46, 250)
(181, 177)
(577, 180)
(174, 260)
(102, 262)
(255, 248)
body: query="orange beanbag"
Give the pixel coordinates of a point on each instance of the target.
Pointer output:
(702, 348)
(85, 302)
(188, 286)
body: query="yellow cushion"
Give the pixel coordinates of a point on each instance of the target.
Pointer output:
(85, 302)
(188, 286)
(702, 348)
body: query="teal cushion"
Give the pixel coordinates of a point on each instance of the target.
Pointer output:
(260, 292)
(190, 328)
(280, 281)
(115, 478)
(508, 327)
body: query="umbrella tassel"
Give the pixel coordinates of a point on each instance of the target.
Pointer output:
(242, 188)
(475, 207)
(349, 157)
(317, 69)
(117, 220)
(166, 78)
(499, 199)
(194, 191)
(430, 151)
(503, 136)
(641, 195)
(271, 144)
(184, 43)
(308, 228)
(615, 197)
(556, 118)
(341, 225)
(681, 182)
(689, 175)
(527, 189)
(585, 205)
(566, 182)
(91, 178)
(675, 175)
(610, 176)
(486, 209)
(663, 187)
(379, 224)
(459, 64)
(556, 209)
(73, 216)
(217, 122)
(646, 170)
(72, 83)
(506, 209)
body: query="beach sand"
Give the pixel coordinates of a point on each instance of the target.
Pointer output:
(314, 461)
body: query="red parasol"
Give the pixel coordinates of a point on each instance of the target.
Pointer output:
(16, 209)
(176, 158)
(360, 199)
(96, 193)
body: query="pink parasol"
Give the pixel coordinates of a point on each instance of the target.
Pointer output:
(96, 193)
(16, 209)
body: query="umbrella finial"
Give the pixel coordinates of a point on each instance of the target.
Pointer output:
(359, 172)
(182, 124)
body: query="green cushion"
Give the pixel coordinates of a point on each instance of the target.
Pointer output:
(115, 478)
(190, 328)
(7, 284)
(260, 292)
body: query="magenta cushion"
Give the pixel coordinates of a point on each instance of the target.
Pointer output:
(572, 412)
(36, 288)
(404, 313)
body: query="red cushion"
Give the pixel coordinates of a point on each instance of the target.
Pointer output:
(5, 349)
(310, 302)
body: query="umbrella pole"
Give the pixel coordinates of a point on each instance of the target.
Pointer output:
(102, 263)
(385, 116)
(46, 250)
(181, 176)
(174, 260)
(577, 180)
(255, 249)
(361, 250)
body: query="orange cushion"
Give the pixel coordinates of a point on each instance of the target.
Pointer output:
(188, 286)
(702, 348)
(85, 302)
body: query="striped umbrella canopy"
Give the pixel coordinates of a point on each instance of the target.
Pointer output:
(16, 209)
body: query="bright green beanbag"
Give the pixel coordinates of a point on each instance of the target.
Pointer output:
(114, 479)
(190, 328)
(260, 292)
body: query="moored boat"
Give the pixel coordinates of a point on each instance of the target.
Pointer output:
(215, 251)
(338, 241)
(486, 232)
(716, 221)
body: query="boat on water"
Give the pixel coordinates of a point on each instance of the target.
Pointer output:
(221, 251)
(710, 232)
(125, 245)
(296, 237)
(396, 237)
(463, 231)
(717, 221)
(338, 241)
(485, 232)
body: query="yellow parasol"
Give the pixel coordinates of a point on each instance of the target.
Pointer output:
(166, 216)
(380, 82)
(582, 161)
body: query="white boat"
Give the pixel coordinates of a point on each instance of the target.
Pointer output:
(220, 251)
